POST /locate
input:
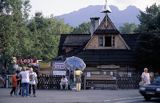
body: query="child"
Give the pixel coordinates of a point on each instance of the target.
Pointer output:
(14, 84)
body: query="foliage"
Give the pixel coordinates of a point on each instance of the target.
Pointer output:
(82, 29)
(37, 37)
(13, 29)
(150, 19)
(148, 49)
(128, 28)
(44, 36)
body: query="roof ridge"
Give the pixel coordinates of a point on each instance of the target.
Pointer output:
(106, 23)
(74, 34)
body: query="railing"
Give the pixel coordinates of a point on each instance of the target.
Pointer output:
(53, 82)
(48, 82)
(101, 84)
(128, 82)
(119, 83)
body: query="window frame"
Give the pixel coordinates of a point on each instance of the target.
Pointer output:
(103, 37)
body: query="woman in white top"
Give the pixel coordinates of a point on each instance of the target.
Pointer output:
(145, 77)
(33, 82)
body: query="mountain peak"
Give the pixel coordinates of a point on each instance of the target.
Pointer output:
(119, 17)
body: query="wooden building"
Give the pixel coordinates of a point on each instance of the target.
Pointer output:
(107, 53)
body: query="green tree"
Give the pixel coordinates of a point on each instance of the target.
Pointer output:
(22, 37)
(12, 28)
(148, 49)
(150, 19)
(128, 28)
(45, 33)
(83, 28)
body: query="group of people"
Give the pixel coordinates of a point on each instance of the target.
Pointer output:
(74, 78)
(24, 81)
(146, 78)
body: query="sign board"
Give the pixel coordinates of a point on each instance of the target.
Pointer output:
(58, 66)
(26, 61)
(108, 66)
(88, 74)
(59, 72)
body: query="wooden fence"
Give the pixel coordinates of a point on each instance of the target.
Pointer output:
(48, 82)
(53, 82)
(128, 82)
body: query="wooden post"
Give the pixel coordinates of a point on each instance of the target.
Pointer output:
(84, 82)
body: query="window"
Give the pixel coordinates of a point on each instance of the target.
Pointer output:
(101, 41)
(113, 41)
(106, 41)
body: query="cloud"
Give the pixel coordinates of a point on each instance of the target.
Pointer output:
(142, 4)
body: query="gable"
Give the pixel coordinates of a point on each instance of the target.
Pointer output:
(94, 43)
(106, 24)
(106, 36)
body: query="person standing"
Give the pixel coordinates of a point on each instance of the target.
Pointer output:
(33, 82)
(2, 82)
(78, 74)
(145, 77)
(18, 80)
(24, 74)
(14, 84)
(71, 80)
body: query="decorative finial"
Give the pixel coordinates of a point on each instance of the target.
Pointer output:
(106, 8)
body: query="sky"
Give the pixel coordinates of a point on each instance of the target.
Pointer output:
(59, 7)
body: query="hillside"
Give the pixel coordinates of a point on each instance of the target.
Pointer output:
(119, 17)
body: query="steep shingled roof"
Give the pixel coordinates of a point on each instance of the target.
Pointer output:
(131, 40)
(99, 56)
(106, 27)
(72, 40)
(76, 40)
(103, 56)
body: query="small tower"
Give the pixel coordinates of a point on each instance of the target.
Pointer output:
(106, 35)
(106, 8)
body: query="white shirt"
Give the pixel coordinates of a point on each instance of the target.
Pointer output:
(24, 76)
(146, 78)
(64, 80)
(33, 78)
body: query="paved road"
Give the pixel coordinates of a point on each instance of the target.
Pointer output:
(85, 96)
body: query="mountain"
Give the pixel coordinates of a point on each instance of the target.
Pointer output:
(119, 17)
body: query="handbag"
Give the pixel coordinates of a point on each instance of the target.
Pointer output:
(36, 79)
(141, 83)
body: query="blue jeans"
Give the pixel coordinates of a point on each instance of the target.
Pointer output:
(25, 89)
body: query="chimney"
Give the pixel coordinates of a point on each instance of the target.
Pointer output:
(94, 24)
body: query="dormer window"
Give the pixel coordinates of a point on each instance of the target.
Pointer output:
(106, 41)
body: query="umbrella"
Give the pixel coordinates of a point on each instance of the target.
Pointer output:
(73, 63)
